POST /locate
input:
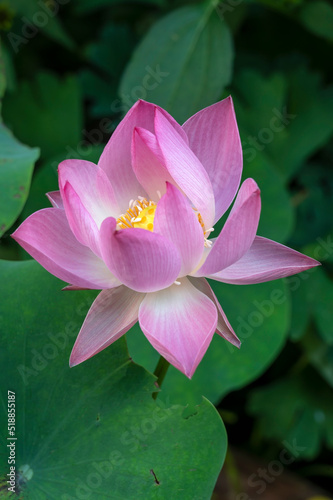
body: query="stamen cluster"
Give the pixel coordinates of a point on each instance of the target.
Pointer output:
(140, 213)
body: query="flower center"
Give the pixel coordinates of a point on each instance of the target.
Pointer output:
(140, 213)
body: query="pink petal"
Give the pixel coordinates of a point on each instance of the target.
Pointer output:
(111, 315)
(116, 157)
(141, 260)
(92, 186)
(238, 232)
(223, 326)
(179, 322)
(81, 223)
(46, 236)
(176, 220)
(185, 169)
(214, 138)
(266, 260)
(148, 164)
(74, 288)
(55, 199)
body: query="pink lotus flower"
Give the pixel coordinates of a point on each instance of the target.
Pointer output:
(137, 225)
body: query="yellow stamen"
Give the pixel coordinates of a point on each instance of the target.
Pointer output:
(140, 213)
(206, 232)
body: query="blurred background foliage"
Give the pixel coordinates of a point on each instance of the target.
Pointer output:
(70, 69)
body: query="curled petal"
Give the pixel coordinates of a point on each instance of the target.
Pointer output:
(266, 260)
(92, 187)
(185, 169)
(47, 237)
(238, 232)
(179, 322)
(148, 164)
(111, 315)
(55, 199)
(176, 220)
(141, 260)
(82, 224)
(214, 138)
(116, 157)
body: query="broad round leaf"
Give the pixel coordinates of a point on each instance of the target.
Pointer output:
(187, 53)
(44, 100)
(92, 431)
(16, 167)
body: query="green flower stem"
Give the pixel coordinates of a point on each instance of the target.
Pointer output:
(160, 372)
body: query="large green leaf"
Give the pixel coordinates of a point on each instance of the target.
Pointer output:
(183, 63)
(260, 316)
(52, 113)
(93, 431)
(296, 410)
(16, 167)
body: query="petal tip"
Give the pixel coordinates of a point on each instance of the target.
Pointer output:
(252, 184)
(312, 263)
(237, 343)
(76, 359)
(72, 363)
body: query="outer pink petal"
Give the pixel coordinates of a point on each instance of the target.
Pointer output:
(92, 186)
(179, 322)
(116, 157)
(141, 260)
(185, 169)
(148, 164)
(81, 222)
(55, 199)
(176, 220)
(112, 314)
(266, 260)
(214, 138)
(46, 236)
(223, 326)
(238, 232)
